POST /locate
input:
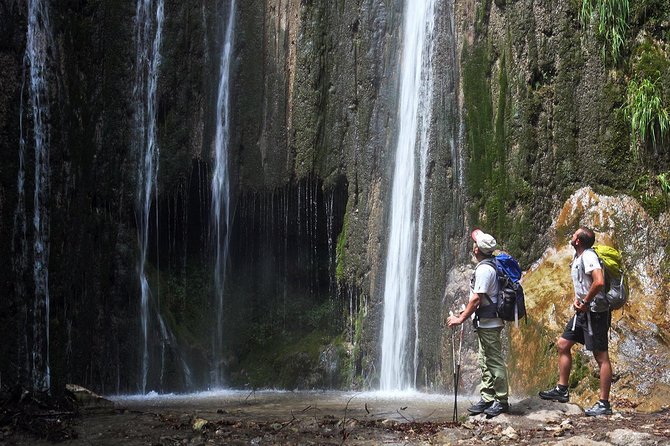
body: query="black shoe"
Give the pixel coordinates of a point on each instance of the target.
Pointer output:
(480, 407)
(598, 409)
(497, 408)
(555, 395)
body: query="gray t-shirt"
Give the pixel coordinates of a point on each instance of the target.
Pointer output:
(486, 283)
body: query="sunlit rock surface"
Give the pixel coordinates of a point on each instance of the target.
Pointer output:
(639, 346)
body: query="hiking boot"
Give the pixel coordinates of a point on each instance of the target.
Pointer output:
(497, 408)
(480, 407)
(598, 409)
(555, 395)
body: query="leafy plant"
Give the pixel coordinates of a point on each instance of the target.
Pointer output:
(664, 180)
(664, 183)
(644, 108)
(653, 192)
(611, 23)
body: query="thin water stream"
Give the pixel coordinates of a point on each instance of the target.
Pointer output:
(148, 29)
(38, 43)
(221, 193)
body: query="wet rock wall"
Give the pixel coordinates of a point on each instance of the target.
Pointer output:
(313, 108)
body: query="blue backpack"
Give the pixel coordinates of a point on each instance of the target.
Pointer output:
(511, 304)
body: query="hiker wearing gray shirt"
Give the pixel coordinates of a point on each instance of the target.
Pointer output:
(588, 326)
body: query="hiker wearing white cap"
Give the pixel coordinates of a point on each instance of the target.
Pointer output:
(482, 304)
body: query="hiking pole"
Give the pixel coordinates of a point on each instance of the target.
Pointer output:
(458, 372)
(453, 357)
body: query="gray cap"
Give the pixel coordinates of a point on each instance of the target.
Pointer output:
(485, 242)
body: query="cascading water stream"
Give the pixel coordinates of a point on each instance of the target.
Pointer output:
(38, 40)
(401, 281)
(221, 192)
(148, 33)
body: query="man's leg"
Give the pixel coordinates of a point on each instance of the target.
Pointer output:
(603, 360)
(495, 364)
(487, 389)
(569, 338)
(598, 343)
(564, 360)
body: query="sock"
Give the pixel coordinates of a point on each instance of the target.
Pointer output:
(605, 403)
(562, 388)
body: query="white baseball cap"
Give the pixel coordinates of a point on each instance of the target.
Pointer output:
(485, 242)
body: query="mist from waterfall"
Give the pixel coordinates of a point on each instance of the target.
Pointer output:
(399, 347)
(221, 192)
(148, 34)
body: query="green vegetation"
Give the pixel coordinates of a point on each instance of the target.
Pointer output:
(580, 370)
(532, 345)
(664, 181)
(647, 114)
(280, 363)
(479, 119)
(183, 300)
(495, 188)
(653, 192)
(296, 344)
(610, 18)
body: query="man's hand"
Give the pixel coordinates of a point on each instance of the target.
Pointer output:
(454, 320)
(580, 306)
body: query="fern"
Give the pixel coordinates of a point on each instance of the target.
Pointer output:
(611, 23)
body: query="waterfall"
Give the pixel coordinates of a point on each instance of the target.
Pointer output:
(38, 41)
(402, 263)
(221, 191)
(148, 30)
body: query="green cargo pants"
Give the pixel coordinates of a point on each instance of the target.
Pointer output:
(494, 371)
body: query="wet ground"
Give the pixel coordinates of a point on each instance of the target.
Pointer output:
(269, 405)
(335, 418)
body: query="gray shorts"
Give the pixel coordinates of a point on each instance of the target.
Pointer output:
(600, 325)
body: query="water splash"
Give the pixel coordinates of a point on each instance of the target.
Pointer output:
(221, 191)
(401, 282)
(148, 36)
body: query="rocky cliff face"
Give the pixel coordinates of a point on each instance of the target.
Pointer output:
(526, 112)
(313, 107)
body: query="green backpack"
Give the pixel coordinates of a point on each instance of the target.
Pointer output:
(616, 285)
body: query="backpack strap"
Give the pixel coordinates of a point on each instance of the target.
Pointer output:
(492, 263)
(581, 271)
(489, 310)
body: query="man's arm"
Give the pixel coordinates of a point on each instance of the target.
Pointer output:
(473, 303)
(597, 285)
